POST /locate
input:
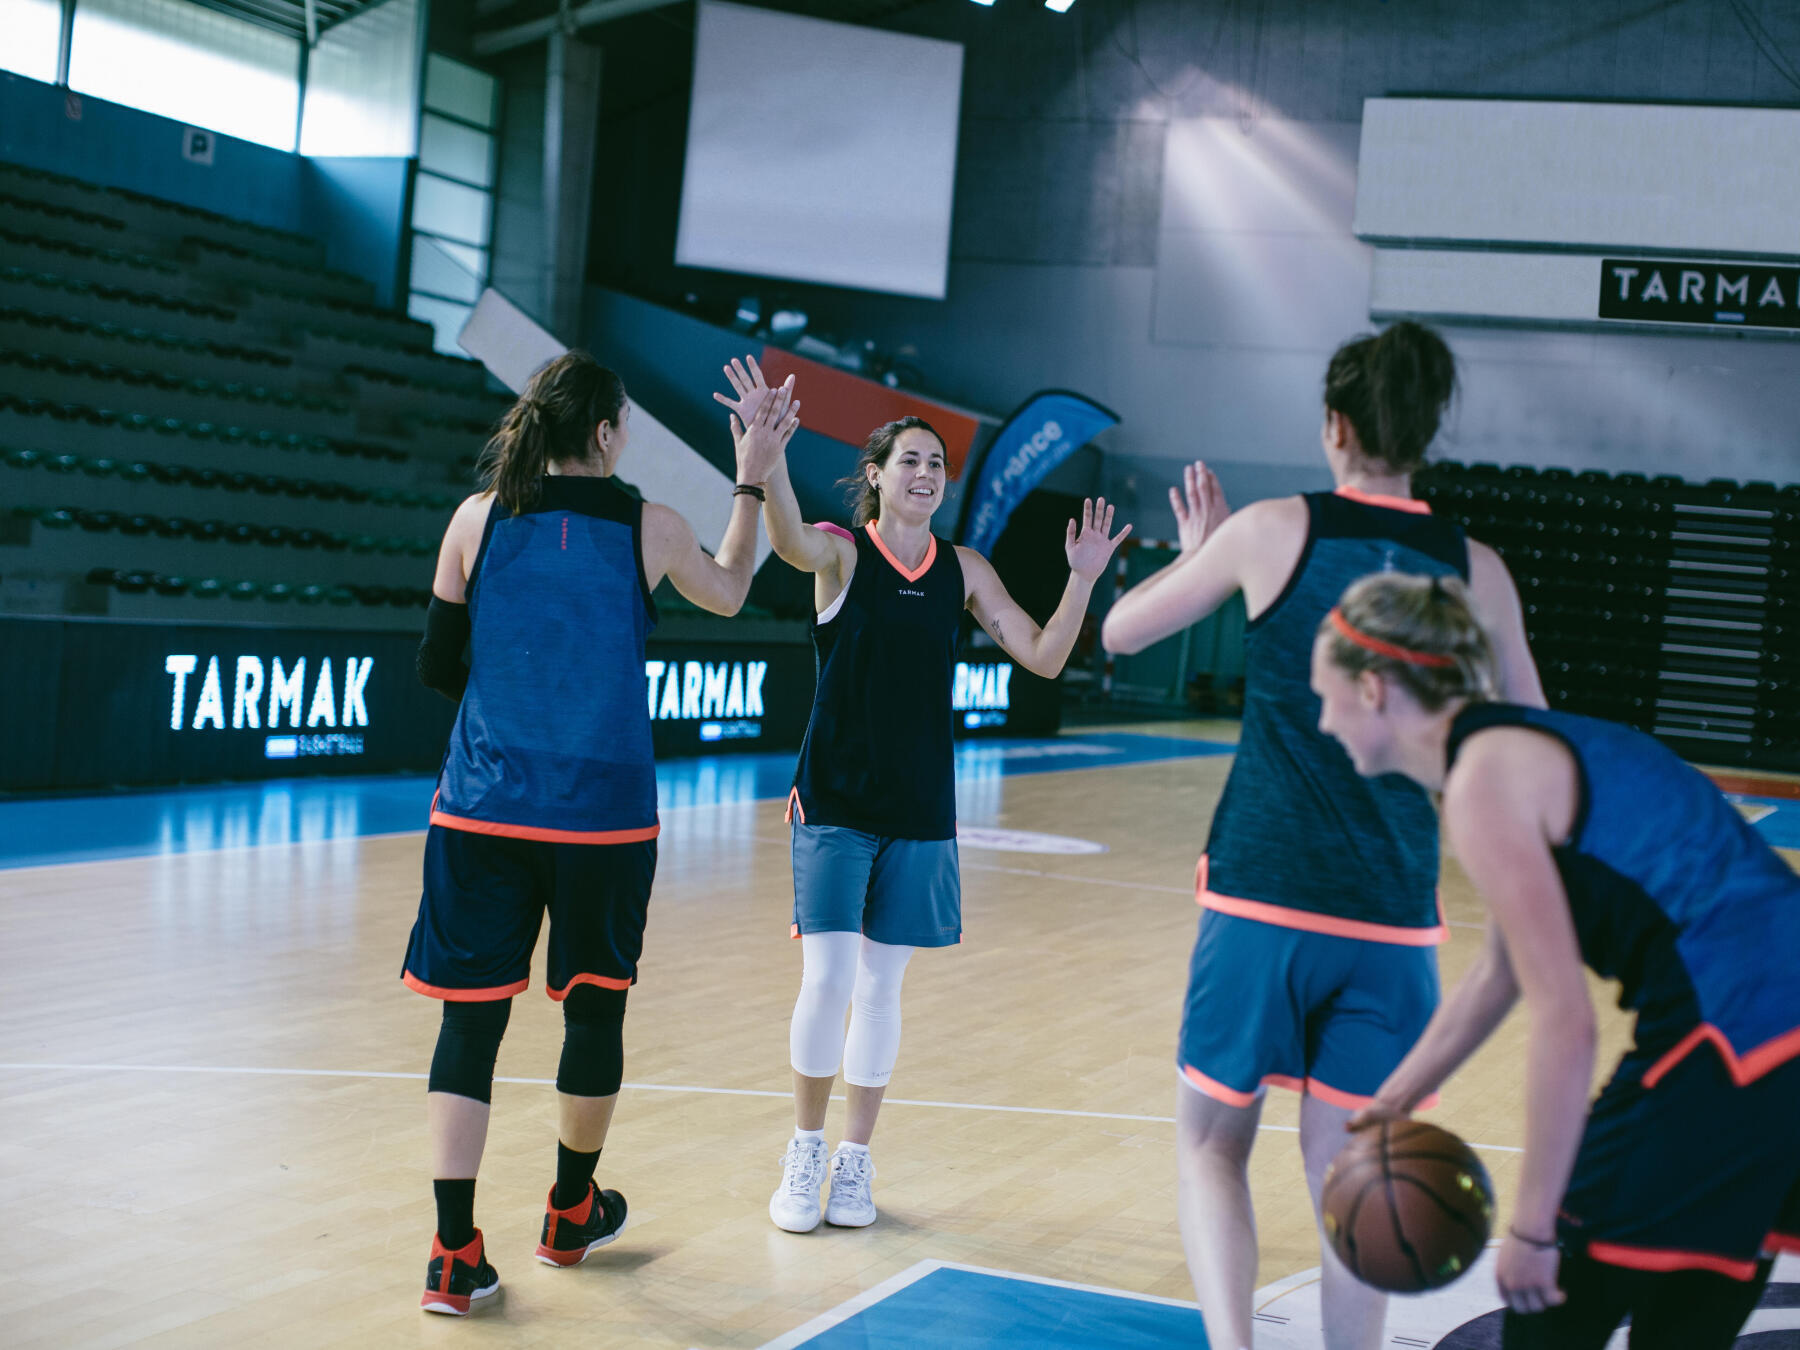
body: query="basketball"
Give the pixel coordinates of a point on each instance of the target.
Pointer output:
(1407, 1206)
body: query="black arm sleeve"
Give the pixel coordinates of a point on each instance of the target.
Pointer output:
(440, 662)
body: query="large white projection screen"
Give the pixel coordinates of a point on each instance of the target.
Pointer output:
(820, 152)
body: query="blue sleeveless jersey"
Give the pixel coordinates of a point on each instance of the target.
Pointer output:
(1674, 894)
(879, 754)
(1299, 838)
(552, 740)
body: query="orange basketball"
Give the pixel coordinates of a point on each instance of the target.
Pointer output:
(1407, 1206)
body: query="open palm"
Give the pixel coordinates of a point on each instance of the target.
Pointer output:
(1090, 548)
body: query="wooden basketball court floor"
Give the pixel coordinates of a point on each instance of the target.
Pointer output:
(212, 1126)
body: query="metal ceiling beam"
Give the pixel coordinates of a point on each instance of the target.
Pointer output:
(594, 12)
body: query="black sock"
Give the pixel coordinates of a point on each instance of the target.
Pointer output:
(455, 1212)
(573, 1173)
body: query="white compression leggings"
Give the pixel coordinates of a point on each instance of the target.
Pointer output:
(847, 971)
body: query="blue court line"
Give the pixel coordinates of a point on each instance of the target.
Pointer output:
(37, 832)
(938, 1304)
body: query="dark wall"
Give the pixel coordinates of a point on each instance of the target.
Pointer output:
(1066, 237)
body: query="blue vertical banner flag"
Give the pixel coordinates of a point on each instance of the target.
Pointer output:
(1045, 431)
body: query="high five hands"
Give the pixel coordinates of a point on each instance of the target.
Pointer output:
(763, 420)
(1089, 549)
(1199, 505)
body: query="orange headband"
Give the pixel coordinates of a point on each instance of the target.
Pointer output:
(1388, 649)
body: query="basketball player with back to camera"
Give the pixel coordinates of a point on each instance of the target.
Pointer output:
(1314, 968)
(547, 797)
(873, 806)
(1594, 844)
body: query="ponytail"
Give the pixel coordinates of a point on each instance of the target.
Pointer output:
(553, 422)
(1417, 632)
(1393, 389)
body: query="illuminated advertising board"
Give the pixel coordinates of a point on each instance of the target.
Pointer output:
(96, 703)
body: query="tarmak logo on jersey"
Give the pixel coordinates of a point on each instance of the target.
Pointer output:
(684, 690)
(287, 688)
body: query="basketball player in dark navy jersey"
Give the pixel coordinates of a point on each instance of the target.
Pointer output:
(1315, 965)
(1593, 844)
(547, 797)
(873, 805)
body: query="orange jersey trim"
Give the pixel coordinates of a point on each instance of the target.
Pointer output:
(794, 808)
(499, 991)
(1283, 917)
(909, 573)
(1663, 1259)
(604, 981)
(1411, 505)
(506, 831)
(1310, 1087)
(1744, 1070)
(1782, 1242)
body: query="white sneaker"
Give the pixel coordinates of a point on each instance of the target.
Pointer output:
(851, 1205)
(795, 1204)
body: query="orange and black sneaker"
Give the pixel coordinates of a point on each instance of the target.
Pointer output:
(456, 1279)
(570, 1234)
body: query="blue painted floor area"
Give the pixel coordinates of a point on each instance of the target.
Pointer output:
(42, 831)
(950, 1307)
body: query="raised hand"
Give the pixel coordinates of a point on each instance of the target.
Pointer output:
(761, 439)
(748, 384)
(1199, 505)
(1090, 548)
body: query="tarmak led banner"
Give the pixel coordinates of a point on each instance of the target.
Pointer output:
(102, 702)
(1050, 427)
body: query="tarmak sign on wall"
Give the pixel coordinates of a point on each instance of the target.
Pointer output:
(1733, 295)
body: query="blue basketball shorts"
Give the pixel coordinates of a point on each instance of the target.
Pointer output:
(486, 896)
(1326, 1015)
(905, 892)
(1692, 1172)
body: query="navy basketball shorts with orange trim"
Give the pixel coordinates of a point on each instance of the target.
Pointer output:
(1329, 1016)
(486, 896)
(904, 892)
(1695, 1173)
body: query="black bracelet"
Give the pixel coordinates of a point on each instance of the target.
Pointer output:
(750, 490)
(1539, 1243)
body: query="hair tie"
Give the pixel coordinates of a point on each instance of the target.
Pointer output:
(1432, 660)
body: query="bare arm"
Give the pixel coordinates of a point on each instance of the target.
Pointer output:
(830, 558)
(1457, 1029)
(1187, 590)
(720, 583)
(1510, 795)
(1043, 651)
(1496, 602)
(462, 541)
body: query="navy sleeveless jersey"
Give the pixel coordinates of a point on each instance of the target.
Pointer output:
(1674, 894)
(552, 740)
(878, 753)
(1299, 838)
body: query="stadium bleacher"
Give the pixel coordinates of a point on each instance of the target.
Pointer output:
(194, 407)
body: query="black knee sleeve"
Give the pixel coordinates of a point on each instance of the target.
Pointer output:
(468, 1044)
(593, 1053)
